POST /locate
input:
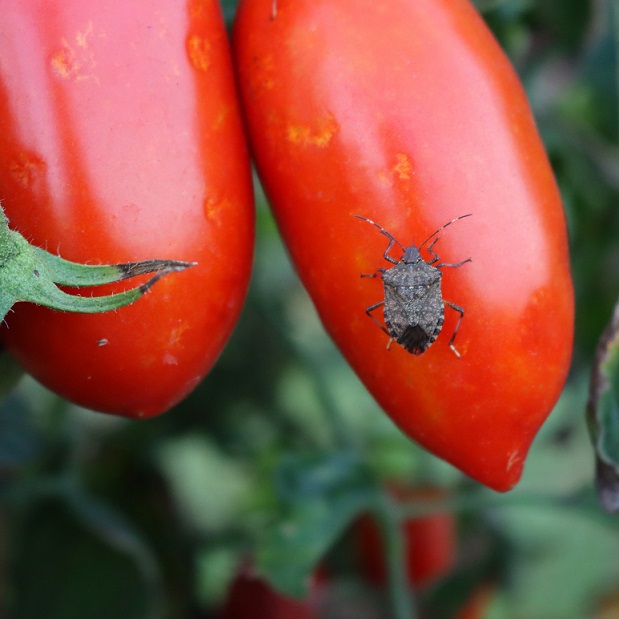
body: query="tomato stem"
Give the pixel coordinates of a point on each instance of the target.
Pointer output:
(388, 519)
(29, 273)
(69, 273)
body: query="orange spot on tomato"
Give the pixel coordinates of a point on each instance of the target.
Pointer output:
(199, 50)
(320, 134)
(404, 167)
(26, 169)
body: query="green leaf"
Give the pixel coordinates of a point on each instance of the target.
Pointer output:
(603, 415)
(598, 73)
(75, 558)
(210, 488)
(561, 560)
(567, 20)
(318, 497)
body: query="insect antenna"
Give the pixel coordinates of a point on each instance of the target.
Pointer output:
(441, 228)
(387, 234)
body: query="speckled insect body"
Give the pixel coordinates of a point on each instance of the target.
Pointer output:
(413, 304)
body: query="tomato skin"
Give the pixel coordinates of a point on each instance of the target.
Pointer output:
(121, 140)
(410, 114)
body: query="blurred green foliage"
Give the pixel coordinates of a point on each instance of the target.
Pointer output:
(280, 447)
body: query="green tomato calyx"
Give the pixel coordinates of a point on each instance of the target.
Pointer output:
(29, 273)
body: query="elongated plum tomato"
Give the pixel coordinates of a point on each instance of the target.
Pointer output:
(120, 140)
(408, 112)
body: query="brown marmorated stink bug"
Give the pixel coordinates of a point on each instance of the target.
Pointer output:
(414, 306)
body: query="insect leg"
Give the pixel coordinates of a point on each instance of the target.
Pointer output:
(455, 266)
(381, 271)
(457, 308)
(386, 254)
(434, 255)
(369, 310)
(392, 239)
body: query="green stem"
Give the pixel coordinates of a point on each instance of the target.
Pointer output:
(389, 521)
(51, 296)
(29, 273)
(68, 273)
(5, 306)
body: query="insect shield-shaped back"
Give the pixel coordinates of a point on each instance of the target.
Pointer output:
(413, 307)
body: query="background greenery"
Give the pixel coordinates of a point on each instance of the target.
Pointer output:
(281, 446)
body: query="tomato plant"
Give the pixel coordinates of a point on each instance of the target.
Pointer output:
(120, 140)
(431, 541)
(411, 117)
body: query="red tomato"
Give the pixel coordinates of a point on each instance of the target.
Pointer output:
(431, 542)
(409, 113)
(120, 140)
(250, 597)
(477, 606)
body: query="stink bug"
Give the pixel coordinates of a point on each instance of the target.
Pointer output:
(414, 305)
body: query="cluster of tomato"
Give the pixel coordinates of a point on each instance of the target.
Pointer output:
(121, 139)
(430, 554)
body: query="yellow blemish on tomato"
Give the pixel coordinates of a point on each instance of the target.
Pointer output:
(26, 169)
(214, 209)
(403, 169)
(211, 207)
(64, 63)
(514, 459)
(384, 177)
(222, 117)
(199, 50)
(319, 135)
(75, 61)
(82, 37)
(262, 78)
(177, 334)
(198, 9)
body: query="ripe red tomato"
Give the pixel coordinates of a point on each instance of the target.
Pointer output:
(250, 597)
(121, 140)
(478, 604)
(431, 541)
(410, 114)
